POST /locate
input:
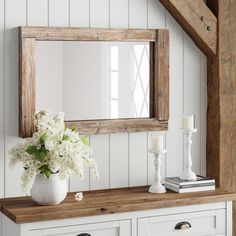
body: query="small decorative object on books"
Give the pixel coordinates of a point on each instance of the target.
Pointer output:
(179, 185)
(49, 157)
(157, 149)
(188, 129)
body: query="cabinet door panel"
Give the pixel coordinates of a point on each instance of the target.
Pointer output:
(116, 228)
(193, 224)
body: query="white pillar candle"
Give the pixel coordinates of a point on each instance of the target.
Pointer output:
(188, 122)
(158, 142)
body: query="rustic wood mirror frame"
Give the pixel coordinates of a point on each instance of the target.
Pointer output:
(159, 74)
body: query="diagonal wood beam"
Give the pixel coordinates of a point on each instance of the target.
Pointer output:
(197, 20)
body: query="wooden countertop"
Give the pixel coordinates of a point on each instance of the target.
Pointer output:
(24, 210)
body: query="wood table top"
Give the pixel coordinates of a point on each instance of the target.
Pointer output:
(24, 210)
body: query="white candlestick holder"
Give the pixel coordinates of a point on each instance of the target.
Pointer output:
(188, 173)
(157, 186)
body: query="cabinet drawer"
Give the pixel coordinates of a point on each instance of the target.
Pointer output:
(193, 224)
(115, 228)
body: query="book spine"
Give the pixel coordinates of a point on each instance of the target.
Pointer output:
(190, 185)
(190, 190)
(198, 189)
(211, 181)
(172, 188)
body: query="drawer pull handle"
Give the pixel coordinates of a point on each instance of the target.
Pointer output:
(183, 225)
(84, 234)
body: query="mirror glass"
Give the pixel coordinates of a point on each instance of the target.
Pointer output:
(93, 80)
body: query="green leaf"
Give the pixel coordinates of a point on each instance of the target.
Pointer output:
(42, 169)
(40, 155)
(85, 140)
(32, 150)
(45, 170)
(73, 128)
(65, 137)
(42, 138)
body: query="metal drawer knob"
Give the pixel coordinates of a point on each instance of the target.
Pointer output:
(183, 225)
(84, 234)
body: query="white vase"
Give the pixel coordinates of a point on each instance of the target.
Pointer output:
(48, 191)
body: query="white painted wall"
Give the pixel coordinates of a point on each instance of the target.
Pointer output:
(123, 158)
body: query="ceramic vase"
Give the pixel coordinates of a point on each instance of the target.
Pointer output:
(48, 191)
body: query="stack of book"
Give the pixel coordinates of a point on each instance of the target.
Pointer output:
(186, 186)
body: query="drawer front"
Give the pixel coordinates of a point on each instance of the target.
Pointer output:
(188, 224)
(116, 228)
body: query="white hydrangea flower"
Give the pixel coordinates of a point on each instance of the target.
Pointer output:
(50, 144)
(64, 152)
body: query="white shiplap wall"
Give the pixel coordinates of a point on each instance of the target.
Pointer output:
(123, 159)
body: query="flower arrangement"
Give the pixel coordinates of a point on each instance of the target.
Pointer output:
(52, 149)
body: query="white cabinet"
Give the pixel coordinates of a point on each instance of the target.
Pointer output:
(213, 219)
(189, 224)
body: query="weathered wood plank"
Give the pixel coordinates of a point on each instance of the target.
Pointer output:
(118, 125)
(161, 75)
(197, 20)
(88, 34)
(24, 210)
(227, 97)
(221, 130)
(27, 87)
(213, 120)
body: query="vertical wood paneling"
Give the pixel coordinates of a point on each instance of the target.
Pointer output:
(100, 146)
(203, 97)
(138, 159)
(37, 13)
(174, 159)
(15, 15)
(119, 13)
(137, 142)
(1, 99)
(58, 12)
(192, 101)
(76, 184)
(155, 20)
(79, 16)
(123, 159)
(119, 169)
(138, 13)
(156, 15)
(79, 13)
(99, 13)
(151, 169)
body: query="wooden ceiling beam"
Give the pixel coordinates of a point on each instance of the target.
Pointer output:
(197, 20)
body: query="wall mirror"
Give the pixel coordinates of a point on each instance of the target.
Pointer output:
(93, 80)
(105, 80)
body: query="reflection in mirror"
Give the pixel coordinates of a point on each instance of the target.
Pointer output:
(93, 80)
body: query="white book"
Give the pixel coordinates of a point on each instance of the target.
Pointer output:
(181, 182)
(190, 190)
(190, 185)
